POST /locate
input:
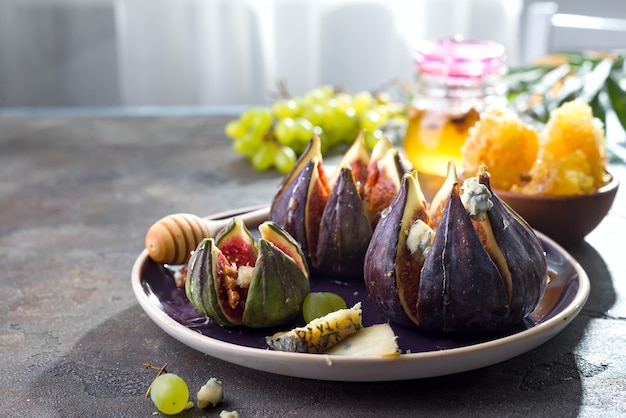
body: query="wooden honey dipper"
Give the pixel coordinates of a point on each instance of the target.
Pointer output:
(171, 239)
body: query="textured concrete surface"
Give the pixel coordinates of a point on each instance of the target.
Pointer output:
(77, 195)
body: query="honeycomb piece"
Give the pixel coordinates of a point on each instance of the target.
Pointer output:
(571, 159)
(502, 142)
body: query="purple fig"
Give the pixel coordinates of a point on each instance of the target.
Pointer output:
(397, 252)
(345, 230)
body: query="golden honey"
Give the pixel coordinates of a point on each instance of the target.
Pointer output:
(433, 138)
(456, 80)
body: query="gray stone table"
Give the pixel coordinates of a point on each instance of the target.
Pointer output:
(77, 195)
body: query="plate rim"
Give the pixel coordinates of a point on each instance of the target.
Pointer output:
(344, 368)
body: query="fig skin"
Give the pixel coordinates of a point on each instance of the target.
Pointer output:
(345, 230)
(277, 289)
(518, 243)
(461, 290)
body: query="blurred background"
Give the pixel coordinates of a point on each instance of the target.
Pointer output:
(102, 53)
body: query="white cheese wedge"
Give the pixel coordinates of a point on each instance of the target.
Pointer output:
(375, 340)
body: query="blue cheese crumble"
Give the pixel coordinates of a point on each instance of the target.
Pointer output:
(476, 198)
(419, 238)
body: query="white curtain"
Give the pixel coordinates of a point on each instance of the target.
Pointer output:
(234, 52)
(222, 52)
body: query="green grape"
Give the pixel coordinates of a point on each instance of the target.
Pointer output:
(286, 108)
(371, 120)
(344, 126)
(316, 114)
(284, 159)
(303, 129)
(371, 138)
(251, 116)
(396, 109)
(169, 393)
(327, 90)
(263, 158)
(300, 145)
(343, 101)
(248, 144)
(318, 304)
(234, 129)
(285, 131)
(318, 95)
(362, 101)
(261, 121)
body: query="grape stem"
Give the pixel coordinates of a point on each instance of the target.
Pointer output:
(162, 370)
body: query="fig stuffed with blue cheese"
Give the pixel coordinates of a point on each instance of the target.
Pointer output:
(468, 264)
(236, 281)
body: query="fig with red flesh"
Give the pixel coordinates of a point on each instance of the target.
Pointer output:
(384, 174)
(301, 199)
(233, 283)
(358, 158)
(484, 271)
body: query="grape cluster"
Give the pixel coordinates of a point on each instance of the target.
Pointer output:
(276, 135)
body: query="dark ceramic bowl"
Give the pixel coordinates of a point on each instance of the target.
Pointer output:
(565, 219)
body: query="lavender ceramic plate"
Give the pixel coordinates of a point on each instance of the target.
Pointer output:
(423, 355)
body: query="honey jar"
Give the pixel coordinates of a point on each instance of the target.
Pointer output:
(456, 80)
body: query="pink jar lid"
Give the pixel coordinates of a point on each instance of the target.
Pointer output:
(456, 58)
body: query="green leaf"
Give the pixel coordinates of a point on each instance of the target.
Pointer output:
(540, 111)
(587, 75)
(573, 57)
(550, 79)
(525, 76)
(595, 80)
(617, 97)
(572, 86)
(598, 109)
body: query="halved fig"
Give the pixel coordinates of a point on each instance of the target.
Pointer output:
(200, 285)
(234, 285)
(236, 243)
